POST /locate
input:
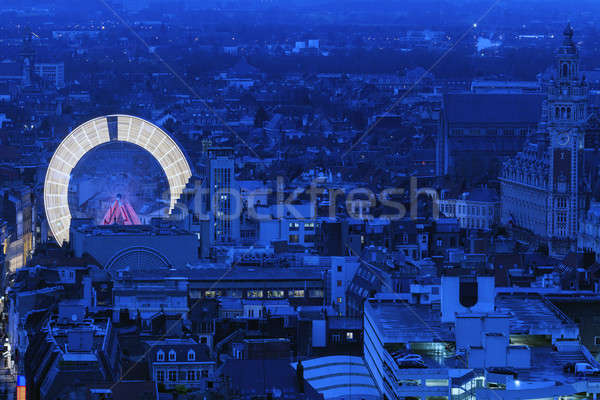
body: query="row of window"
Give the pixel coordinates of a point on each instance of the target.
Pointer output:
(525, 178)
(489, 132)
(295, 226)
(475, 223)
(452, 209)
(223, 206)
(565, 113)
(160, 355)
(172, 375)
(298, 293)
(259, 294)
(295, 238)
(337, 338)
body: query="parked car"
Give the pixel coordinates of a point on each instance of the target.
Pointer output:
(585, 369)
(400, 357)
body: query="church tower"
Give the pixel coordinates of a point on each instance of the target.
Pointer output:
(566, 112)
(27, 58)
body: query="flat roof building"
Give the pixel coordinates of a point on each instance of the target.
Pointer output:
(516, 349)
(135, 247)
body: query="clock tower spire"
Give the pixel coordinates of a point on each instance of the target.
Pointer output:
(566, 112)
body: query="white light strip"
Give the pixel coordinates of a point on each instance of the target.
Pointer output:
(93, 133)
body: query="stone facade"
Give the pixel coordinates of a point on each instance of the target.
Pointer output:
(542, 188)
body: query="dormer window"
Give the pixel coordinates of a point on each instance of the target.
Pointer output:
(191, 355)
(172, 355)
(160, 355)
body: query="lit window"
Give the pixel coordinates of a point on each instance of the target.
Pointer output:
(350, 335)
(339, 299)
(255, 294)
(296, 293)
(436, 382)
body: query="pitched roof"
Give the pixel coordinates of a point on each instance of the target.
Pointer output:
(242, 67)
(486, 108)
(181, 349)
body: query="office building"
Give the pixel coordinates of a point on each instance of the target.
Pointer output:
(53, 73)
(480, 346)
(225, 209)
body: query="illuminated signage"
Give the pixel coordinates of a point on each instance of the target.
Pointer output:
(21, 388)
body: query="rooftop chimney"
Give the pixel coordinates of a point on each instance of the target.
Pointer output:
(300, 377)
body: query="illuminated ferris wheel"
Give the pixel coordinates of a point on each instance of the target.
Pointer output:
(95, 132)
